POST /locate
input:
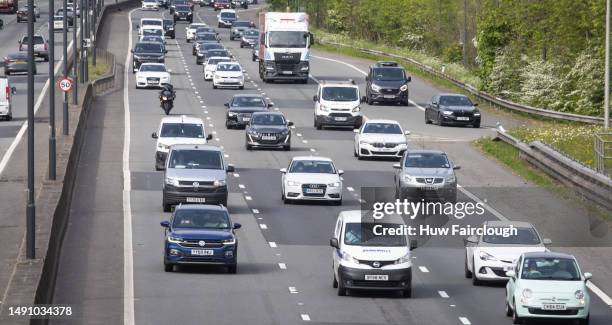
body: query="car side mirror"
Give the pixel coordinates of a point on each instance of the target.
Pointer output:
(165, 51)
(165, 224)
(289, 123)
(169, 70)
(237, 225)
(132, 50)
(283, 170)
(154, 135)
(397, 166)
(270, 105)
(226, 105)
(413, 244)
(456, 167)
(588, 276)
(409, 79)
(314, 98)
(333, 242)
(406, 132)
(355, 130)
(364, 99)
(209, 137)
(230, 168)
(13, 90)
(547, 242)
(475, 104)
(340, 172)
(470, 240)
(511, 274)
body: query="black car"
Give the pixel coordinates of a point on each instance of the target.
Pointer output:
(169, 25)
(203, 47)
(238, 27)
(241, 107)
(268, 130)
(249, 38)
(211, 53)
(203, 38)
(16, 62)
(69, 15)
(22, 15)
(184, 13)
(453, 109)
(147, 52)
(387, 82)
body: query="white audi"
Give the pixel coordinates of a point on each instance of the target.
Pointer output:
(211, 66)
(152, 75)
(380, 138)
(228, 74)
(311, 178)
(488, 257)
(150, 5)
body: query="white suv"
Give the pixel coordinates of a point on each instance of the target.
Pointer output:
(177, 130)
(311, 178)
(337, 104)
(366, 259)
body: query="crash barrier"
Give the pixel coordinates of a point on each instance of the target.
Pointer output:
(588, 183)
(603, 153)
(483, 96)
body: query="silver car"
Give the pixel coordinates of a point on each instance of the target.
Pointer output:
(195, 174)
(426, 174)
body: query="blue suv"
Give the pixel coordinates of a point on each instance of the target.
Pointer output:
(200, 234)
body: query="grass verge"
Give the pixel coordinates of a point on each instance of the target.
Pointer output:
(101, 68)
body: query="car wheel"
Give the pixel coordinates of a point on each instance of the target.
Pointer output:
(7, 73)
(584, 321)
(407, 293)
(167, 207)
(287, 147)
(248, 147)
(318, 124)
(439, 120)
(515, 318)
(9, 117)
(232, 269)
(341, 288)
(355, 152)
(241, 46)
(335, 283)
(227, 125)
(468, 273)
(475, 280)
(168, 267)
(508, 309)
(476, 125)
(218, 25)
(241, 87)
(214, 86)
(47, 58)
(339, 202)
(427, 120)
(253, 57)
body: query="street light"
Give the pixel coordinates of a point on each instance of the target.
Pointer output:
(65, 45)
(30, 206)
(607, 72)
(51, 90)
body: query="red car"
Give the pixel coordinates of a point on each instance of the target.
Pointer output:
(222, 4)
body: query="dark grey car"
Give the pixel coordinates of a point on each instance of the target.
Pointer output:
(241, 107)
(268, 130)
(452, 109)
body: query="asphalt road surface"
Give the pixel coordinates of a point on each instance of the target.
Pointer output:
(284, 273)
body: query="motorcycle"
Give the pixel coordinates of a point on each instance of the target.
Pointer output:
(166, 100)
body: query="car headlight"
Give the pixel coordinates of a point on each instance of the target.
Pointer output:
(527, 293)
(293, 183)
(172, 181)
(476, 113)
(403, 259)
(334, 184)
(447, 113)
(356, 109)
(348, 258)
(404, 88)
(230, 241)
(451, 179)
(219, 182)
(486, 256)
(305, 68)
(174, 239)
(231, 114)
(252, 132)
(324, 108)
(162, 146)
(363, 142)
(407, 178)
(375, 87)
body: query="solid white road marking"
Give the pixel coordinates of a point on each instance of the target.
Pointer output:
(465, 321)
(443, 294)
(282, 266)
(423, 269)
(263, 226)
(272, 244)
(602, 295)
(305, 317)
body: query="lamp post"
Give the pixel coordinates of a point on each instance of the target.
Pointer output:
(51, 91)
(65, 48)
(607, 72)
(30, 206)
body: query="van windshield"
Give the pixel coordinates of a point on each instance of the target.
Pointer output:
(362, 234)
(196, 159)
(340, 94)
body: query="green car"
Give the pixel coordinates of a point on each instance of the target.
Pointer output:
(547, 285)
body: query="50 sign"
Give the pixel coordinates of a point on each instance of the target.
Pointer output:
(65, 84)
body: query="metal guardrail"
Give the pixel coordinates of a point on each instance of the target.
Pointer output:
(588, 183)
(603, 153)
(107, 81)
(483, 96)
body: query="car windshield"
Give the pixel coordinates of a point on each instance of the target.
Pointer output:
(251, 33)
(362, 234)
(341, 94)
(455, 101)
(524, 236)
(248, 101)
(387, 128)
(550, 268)
(200, 218)
(196, 159)
(151, 23)
(215, 52)
(152, 32)
(58, 18)
(168, 23)
(288, 39)
(153, 67)
(201, 29)
(193, 27)
(228, 67)
(241, 24)
(182, 130)
(267, 119)
(214, 61)
(37, 40)
(211, 46)
(183, 8)
(17, 56)
(426, 160)
(148, 47)
(206, 37)
(388, 74)
(312, 166)
(228, 15)
(152, 39)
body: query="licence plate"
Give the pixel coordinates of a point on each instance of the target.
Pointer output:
(268, 137)
(20, 62)
(246, 119)
(196, 199)
(508, 268)
(428, 188)
(314, 190)
(388, 96)
(202, 252)
(462, 118)
(553, 307)
(377, 277)
(340, 118)
(287, 72)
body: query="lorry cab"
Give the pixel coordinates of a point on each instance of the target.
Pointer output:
(6, 112)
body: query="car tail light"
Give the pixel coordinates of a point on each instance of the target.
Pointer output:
(46, 44)
(8, 92)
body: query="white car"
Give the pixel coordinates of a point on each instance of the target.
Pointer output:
(365, 259)
(211, 66)
(177, 130)
(380, 138)
(150, 5)
(336, 104)
(152, 75)
(58, 23)
(150, 23)
(311, 178)
(190, 31)
(228, 74)
(152, 31)
(489, 257)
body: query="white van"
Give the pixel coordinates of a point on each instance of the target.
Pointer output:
(337, 105)
(6, 112)
(150, 23)
(366, 259)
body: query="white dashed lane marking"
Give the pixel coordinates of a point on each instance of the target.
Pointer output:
(248, 198)
(263, 226)
(305, 317)
(423, 269)
(293, 290)
(282, 266)
(255, 211)
(272, 244)
(443, 294)
(464, 321)
(241, 186)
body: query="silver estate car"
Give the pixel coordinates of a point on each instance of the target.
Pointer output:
(195, 174)
(426, 174)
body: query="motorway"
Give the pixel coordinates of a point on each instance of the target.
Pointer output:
(284, 272)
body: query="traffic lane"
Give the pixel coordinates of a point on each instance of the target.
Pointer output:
(245, 289)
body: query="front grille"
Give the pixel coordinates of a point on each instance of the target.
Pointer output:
(322, 187)
(341, 115)
(539, 311)
(463, 114)
(202, 183)
(381, 263)
(287, 58)
(387, 91)
(192, 189)
(286, 67)
(377, 284)
(153, 80)
(385, 153)
(276, 135)
(430, 180)
(195, 243)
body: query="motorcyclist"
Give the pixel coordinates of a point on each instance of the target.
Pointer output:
(168, 92)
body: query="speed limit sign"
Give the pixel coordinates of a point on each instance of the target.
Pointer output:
(65, 84)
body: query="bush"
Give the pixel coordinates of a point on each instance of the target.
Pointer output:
(453, 53)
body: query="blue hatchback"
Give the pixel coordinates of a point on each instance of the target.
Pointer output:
(200, 234)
